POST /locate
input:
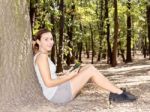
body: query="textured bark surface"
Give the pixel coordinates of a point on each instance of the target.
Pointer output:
(129, 34)
(114, 53)
(17, 77)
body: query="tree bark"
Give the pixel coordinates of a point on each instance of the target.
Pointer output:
(128, 55)
(80, 46)
(61, 31)
(71, 58)
(17, 77)
(148, 23)
(54, 48)
(101, 25)
(109, 51)
(87, 49)
(92, 43)
(114, 54)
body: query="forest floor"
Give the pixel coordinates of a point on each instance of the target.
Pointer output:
(133, 76)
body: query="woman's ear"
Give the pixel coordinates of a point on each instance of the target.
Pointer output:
(38, 42)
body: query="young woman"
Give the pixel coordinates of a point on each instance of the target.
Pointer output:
(62, 89)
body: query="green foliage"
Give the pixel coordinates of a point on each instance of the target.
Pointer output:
(88, 12)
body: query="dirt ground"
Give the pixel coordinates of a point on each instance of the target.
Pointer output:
(133, 76)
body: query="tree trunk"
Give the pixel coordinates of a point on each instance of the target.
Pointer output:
(148, 23)
(54, 48)
(87, 49)
(145, 47)
(109, 52)
(17, 77)
(114, 55)
(128, 55)
(80, 45)
(92, 43)
(61, 30)
(71, 58)
(101, 25)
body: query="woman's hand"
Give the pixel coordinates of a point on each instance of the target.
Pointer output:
(75, 71)
(72, 73)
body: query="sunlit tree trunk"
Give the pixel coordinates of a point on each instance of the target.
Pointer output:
(18, 83)
(114, 53)
(128, 55)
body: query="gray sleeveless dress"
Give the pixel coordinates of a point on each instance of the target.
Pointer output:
(60, 94)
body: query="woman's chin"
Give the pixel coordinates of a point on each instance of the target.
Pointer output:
(49, 49)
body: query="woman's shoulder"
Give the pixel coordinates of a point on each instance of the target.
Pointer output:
(40, 57)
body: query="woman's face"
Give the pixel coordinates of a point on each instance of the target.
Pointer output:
(46, 42)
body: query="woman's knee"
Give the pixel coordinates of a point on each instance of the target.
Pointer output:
(91, 67)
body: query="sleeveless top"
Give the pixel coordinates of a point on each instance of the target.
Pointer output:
(47, 91)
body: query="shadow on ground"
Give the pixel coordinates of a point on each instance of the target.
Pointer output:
(95, 99)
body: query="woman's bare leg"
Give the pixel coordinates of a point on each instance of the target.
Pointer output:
(90, 72)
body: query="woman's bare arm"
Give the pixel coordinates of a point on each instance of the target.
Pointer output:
(42, 62)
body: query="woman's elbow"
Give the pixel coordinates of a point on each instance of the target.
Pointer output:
(49, 84)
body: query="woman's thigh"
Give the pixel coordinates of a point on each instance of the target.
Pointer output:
(81, 79)
(85, 67)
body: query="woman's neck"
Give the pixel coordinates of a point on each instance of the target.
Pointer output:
(43, 51)
(39, 51)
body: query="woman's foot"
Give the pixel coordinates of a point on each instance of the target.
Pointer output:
(123, 97)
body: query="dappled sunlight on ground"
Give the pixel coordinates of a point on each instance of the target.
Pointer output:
(133, 76)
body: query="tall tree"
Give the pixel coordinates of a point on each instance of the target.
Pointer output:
(71, 58)
(109, 51)
(16, 68)
(92, 42)
(114, 53)
(128, 55)
(61, 32)
(148, 24)
(100, 27)
(53, 52)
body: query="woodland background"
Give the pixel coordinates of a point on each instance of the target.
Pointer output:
(113, 35)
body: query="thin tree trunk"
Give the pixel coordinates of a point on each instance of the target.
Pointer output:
(54, 48)
(145, 47)
(71, 58)
(114, 55)
(80, 51)
(101, 25)
(109, 51)
(87, 49)
(80, 45)
(42, 24)
(61, 31)
(18, 84)
(128, 55)
(148, 23)
(92, 43)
